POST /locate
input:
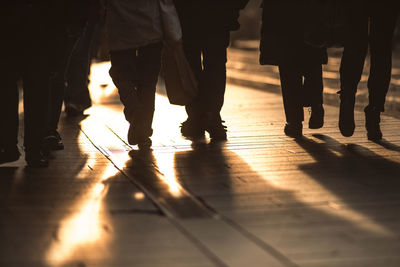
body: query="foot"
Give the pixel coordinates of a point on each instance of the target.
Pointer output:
(215, 127)
(9, 154)
(346, 114)
(73, 110)
(372, 120)
(53, 141)
(317, 117)
(145, 144)
(294, 129)
(36, 159)
(192, 129)
(135, 138)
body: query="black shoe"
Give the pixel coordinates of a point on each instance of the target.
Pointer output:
(294, 130)
(73, 110)
(317, 117)
(372, 120)
(136, 138)
(346, 114)
(192, 129)
(144, 144)
(215, 127)
(53, 141)
(36, 159)
(9, 154)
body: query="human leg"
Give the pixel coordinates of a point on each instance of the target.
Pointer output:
(313, 90)
(352, 63)
(382, 23)
(214, 82)
(291, 83)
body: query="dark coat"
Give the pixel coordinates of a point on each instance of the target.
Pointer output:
(282, 39)
(199, 16)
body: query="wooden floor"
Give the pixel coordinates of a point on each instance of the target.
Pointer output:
(261, 199)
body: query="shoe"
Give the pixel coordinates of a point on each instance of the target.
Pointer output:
(9, 154)
(145, 144)
(215, 127)
(192, 129)
(53, 141)
(294, 130)
(217, 131)
(372, 120)
(346, 114)
(73, 110)
(317, 117)
(135, 138)
(36, 159)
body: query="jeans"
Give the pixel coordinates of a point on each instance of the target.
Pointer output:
(135, 73)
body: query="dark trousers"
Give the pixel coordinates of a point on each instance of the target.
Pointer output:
(77, 91)
(301, 86)
(135, 73)
(62, 49)
(207, 56)
(382, 20)
(24, 59)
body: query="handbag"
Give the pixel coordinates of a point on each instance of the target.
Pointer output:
(180, 82)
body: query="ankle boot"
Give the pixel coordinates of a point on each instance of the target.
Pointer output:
(346, 114)
(293, 129)
(317, 117)
(372, 120)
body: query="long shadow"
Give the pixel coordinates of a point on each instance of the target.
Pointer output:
(276, 218)
(364, 181)
(388, 145)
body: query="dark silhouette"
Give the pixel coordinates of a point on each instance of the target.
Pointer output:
(27, 28)
(378, 34)
(77, 95)
(135, 37)
(206, 27)
(300, 70)
(66, 35)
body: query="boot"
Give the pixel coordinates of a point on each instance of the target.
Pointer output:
(215, 127)
(294, 129)
(372, 120)
(317, 117)
(192, 128)
(346, 114)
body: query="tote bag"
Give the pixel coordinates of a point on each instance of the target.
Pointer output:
(180, 82)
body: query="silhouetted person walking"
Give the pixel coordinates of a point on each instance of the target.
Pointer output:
(300, 69)
(25, 24)
(381, 16)
(77, 96)
(70, 18)
(135, 39)
(206, 26)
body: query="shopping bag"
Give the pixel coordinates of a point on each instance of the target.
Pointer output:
(180, 82)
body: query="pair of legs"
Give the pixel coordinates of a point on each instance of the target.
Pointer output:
(380, 18)
(24, 60)
(207, 56)
(77, 96)
(301, 86)
(135, 73)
